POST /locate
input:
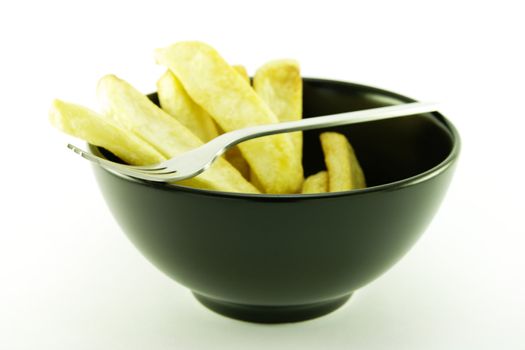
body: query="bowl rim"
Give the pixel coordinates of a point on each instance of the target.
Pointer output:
(409, 181)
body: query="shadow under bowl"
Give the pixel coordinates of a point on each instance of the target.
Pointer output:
(285, 258)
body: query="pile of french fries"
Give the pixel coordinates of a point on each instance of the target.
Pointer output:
(202, 96)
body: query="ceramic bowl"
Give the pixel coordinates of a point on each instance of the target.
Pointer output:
(285, 258)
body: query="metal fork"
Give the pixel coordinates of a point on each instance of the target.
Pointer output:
(194, 162)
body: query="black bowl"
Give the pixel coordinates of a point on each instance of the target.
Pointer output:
(284, 258)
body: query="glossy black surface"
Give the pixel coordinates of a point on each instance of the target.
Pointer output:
(268, 258)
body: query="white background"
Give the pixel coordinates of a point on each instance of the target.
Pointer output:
(69, 278)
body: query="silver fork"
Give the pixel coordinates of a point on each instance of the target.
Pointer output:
(194, 162)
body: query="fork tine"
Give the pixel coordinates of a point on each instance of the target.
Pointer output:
(101, 161)
(137, 172)
(93, 158)
(159, 171)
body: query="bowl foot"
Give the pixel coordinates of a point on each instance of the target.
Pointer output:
(272, 314)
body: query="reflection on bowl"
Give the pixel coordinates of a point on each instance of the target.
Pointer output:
(285, 258)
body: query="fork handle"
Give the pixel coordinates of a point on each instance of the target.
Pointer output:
(234, 137)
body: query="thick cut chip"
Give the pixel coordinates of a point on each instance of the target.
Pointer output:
(234, 155)
(176, 102)
(90, 126)
(344, 171)
(242, 72)
(233, 104)
(317, 183)
(279, 84)
(133, 111)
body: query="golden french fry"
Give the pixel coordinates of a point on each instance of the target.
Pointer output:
(344, 171)
(316, 183)
(90, 126)
(279, 84)
(234, 155)
(254, 180)
(243, 72)
(176, 102)
(133, 111)
(249, 175)
(222, 92)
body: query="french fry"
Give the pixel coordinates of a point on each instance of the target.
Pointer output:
(234, 155)
(222, 92)
(133, 111)
(176, 102)
(242, 72)
(344, 171)
(279, 84)
(92, 127)
(316, 183)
